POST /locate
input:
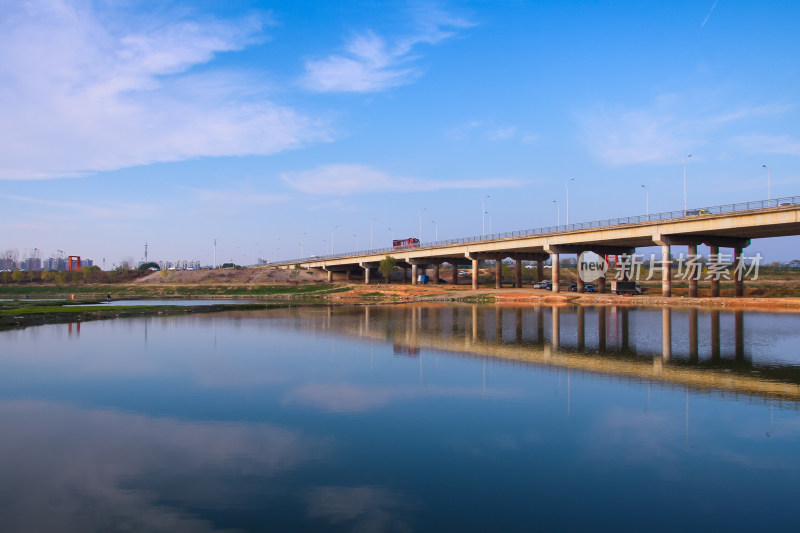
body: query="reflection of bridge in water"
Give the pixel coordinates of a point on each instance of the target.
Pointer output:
(596, 340)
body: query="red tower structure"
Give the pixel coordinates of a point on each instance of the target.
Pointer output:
(74, 260)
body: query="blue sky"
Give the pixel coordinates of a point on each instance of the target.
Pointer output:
(276, 127)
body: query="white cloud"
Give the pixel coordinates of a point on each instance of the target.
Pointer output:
(369, 63)
(115, 210)
(662, 132)
(768, 144)
(347, 179)
(85, 90)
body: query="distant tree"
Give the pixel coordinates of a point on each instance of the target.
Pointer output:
(61, 278)
(387, 267)
(17, 275)
(48, 275)
(794, 263)
(76, 276)
(148, 266)
(5, 277)
(91, 273)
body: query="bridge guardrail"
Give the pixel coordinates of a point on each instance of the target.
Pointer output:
(655, 217)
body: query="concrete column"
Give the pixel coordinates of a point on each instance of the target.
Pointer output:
(579, 281)
(666, 272)
(666, 334)
(366, 275)
(330, 276)
(556, 266)
(601, 284)
(414, 274)
(498, 274)
(714, 253)
(436, 274)
(539, 270)
(455, 273)
(475, 274)
(738, 278)
(518, 274)
(692, 278)
(405, 276)
(349, 272)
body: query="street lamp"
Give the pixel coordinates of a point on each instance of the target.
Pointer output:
(647, 199)
(684, 182)
(334, 229)
(769, 196)
(483, 214)
(566, 184)
(435, 225)
(558, 208)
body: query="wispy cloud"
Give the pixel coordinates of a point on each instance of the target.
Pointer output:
(371, 63)
(708, 16)
(661, 132)
(86, 88)
(115, 210)
(487, 130)
(348, 179)
(768, 144)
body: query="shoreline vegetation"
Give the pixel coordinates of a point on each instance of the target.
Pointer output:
(34, 303)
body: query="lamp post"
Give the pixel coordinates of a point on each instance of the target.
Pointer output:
(558, 208)
(769, 196)
(684, 183)
(647, 199)
(436, 226)
(301, 249)
(566, 184)
(334, 229)
(483, 214)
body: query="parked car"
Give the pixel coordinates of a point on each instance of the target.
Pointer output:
(538, 285)
(573, 287)
(548, 285)
(589, 288)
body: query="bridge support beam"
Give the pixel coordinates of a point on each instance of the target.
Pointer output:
(713, 257)
(413, 274)
(540, 270)
(518, 274)
(330, 275)
(498, 274)
(436, 274)
(475, 274)
(738, 277)
(692, 277)
(366, 275)
(555, 273)
(666, 272)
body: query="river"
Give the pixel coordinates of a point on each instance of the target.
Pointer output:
(403, 418)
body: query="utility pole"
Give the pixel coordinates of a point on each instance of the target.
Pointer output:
(145, 253)
(215, 254)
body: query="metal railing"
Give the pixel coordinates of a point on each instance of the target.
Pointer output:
(564, 228)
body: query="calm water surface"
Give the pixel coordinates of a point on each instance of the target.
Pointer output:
(407, 418)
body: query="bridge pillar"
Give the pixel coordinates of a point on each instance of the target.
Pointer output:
(405, 276)
(518, 274)
(366, 275)
(498, 274)
(475, 274)
(414, 271)
(556, 265)
(455, 272)
(581, 285)
(738, 278)
(713, 256)
(436, 274)
(330, 276)
(692, 277)
(666, 272)
(601, 284)
(540, 270)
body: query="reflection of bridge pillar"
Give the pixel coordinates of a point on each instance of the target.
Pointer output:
(602, 313)
(555, 273)
(540, 270)
(518, 326)
(714, 256)
(693, 342)
(625, 328)
(738, 278)
(738, 319)
(666, 272)
(414, 274)
(366, 317)
(518, 274)
(498, 274)
(475, 274)
(666, 334)
(556, 333)
(581, 328)
(692, 275)
(498, 325)
(540, 325)
(436, 274)
(715, 353)
(474, 323)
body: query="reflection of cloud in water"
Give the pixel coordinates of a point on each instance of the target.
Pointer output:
(68, 469)
(344, 398)
(362, 508)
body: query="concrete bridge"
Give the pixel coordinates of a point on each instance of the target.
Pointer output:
(730, 226)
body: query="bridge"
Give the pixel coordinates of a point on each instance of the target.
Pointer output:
(725, 226)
